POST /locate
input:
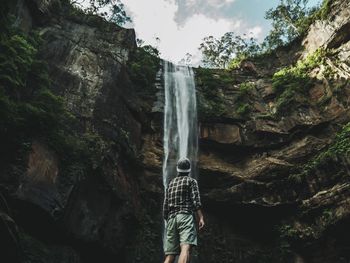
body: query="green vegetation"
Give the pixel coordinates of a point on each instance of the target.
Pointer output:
(28, 108)
(288, 232)
(340, 147)
(145, 63)
(218, 53)
(211, 102)
(243, 106)
(244, 89)
(243, 109)
(210, 99)
(290, 20)
(323, 11)
(30, 111)
(295, 80)
(110, 10)
(306, 229)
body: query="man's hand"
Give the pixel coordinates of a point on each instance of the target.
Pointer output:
(200, 217)
(201, 223)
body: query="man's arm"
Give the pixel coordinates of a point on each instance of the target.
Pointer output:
(195, 196)
(200, 217)
(165, 206)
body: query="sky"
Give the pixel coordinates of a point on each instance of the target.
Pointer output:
(181, 25)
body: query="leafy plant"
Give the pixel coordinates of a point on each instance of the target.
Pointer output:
(210, 100)
(30, 111)
(291, 81)
(110, 10)
(219, 53)
(290, 20)
(145, 63)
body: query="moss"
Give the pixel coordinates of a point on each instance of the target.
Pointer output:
(339, 147)
(243, 109)
(323, 11)
(30, 111)
(306, 226)
(292, 81)
(210, 99)
(244, 89)
(28, 108)
(236, 62)
(288, 232)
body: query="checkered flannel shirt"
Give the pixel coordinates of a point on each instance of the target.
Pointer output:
(181, 196)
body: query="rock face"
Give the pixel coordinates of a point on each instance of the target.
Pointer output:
(273, 174)
(274, 180)
(332, 32)
(57, 215)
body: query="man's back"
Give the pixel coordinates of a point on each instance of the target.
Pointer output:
(182, 196)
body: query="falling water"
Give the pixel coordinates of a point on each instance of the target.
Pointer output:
(180, 119)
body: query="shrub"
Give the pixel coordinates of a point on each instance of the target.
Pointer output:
(291, 81)
(144, 66)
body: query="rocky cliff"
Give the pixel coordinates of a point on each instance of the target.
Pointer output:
(80, 200)
(274, 151)
(273, 165)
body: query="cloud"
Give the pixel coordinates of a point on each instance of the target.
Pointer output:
(156, 18)
(182, 24)
(209, 8)
(255, 32)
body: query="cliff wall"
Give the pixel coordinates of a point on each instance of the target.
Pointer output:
(273, 161)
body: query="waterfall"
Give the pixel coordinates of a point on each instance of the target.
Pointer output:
(180, 119)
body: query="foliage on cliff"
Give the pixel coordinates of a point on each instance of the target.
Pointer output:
(110, 10)
(29, 110)
(294, 81)
(339, 148)
(220, 52)
(210, 100)
(144, 65)
(290, 21)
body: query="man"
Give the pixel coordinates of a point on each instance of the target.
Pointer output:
(182, 201)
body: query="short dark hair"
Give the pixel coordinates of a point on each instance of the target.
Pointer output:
(182, 174)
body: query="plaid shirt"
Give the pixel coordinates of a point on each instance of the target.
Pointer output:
(181, 196)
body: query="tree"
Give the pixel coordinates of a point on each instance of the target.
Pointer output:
(220, 52)
(187, 60)
(144, 65)
(289, 21)
(111, 10)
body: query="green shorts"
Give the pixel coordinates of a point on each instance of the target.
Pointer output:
(179, 230)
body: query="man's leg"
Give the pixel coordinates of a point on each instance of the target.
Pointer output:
(188, 236)
(169, 258)
(185, 253)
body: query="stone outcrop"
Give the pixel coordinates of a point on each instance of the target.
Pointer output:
(331, 32)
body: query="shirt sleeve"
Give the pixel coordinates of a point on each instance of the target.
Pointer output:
(166, 205)
(195, 196)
